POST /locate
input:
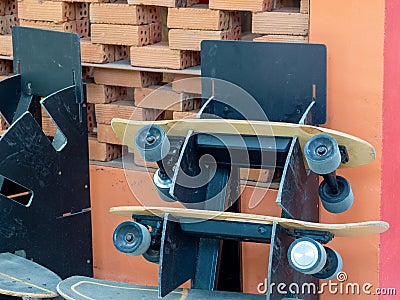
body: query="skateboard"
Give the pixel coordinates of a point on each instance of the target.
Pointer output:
(306, 254)
(324, 150)
(84, 288)
(359, 151)
(20, 277)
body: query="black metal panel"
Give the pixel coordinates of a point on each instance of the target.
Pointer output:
(186, 188)
(298, 189)
(280, 272)
(73, 155)
(230, 264)
(23, 105)
(212, 270)
(244, 151)
(54, 227)
(45, 70)
(10, 91)
(177, 257)
(280, 77)
(206, 264)
(209, 249)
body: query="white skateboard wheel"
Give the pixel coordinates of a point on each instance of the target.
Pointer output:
(152, 143)
(163, 186)
(306, 256)
(322, 154)
(333, 266)
(336, 203)
(132, 238)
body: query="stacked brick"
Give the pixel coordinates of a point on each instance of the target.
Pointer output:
(116, 27)
(189, 26)
(288, 21)
(8, 19)
(128, 44)
(54, 15)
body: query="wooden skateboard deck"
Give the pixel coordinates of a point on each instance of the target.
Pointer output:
(84, 288)
(343, 230)
(21, 277)
(359, 151)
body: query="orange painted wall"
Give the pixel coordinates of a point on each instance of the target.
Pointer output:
(353, 32)
(110, 188)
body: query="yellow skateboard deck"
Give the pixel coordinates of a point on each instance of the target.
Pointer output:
(21, 277)
(359, 151)
(342, 230)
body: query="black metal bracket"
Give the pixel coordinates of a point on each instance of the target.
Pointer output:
(181, 239)
(44, 184)
(288, 84)
(283, 78)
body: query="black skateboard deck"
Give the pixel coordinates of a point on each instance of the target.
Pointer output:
(21, 277)
(84, 288)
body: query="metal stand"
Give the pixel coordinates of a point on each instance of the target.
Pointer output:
(44, 195)
(284, 81)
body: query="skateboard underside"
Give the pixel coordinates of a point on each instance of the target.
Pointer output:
(359, 151)
(345, 230)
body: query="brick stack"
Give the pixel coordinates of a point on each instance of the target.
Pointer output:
(287, 22)
(130, 43)
(190, 26)
(115, 27)
(8, 18)
(54, 15)
(161, 55)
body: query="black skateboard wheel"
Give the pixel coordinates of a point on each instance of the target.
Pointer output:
(131, 238)
(152, 255)
(336, 203)
(152, 143)
(307, 256)
(322, 154)
(333, 265)
(163, 186)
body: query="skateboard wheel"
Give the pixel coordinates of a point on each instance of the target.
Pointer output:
(307, 256)
(131, 238)
(163, 186)
(333, 265)
(336, 203)
(152, 256)
(152, 143)
(322, 154)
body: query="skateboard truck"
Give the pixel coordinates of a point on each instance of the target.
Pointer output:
(155, 146)
(324, 156)
(308, 256)
(134, 238)
(306, 253)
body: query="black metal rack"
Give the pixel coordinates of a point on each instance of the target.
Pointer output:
(44, 184)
